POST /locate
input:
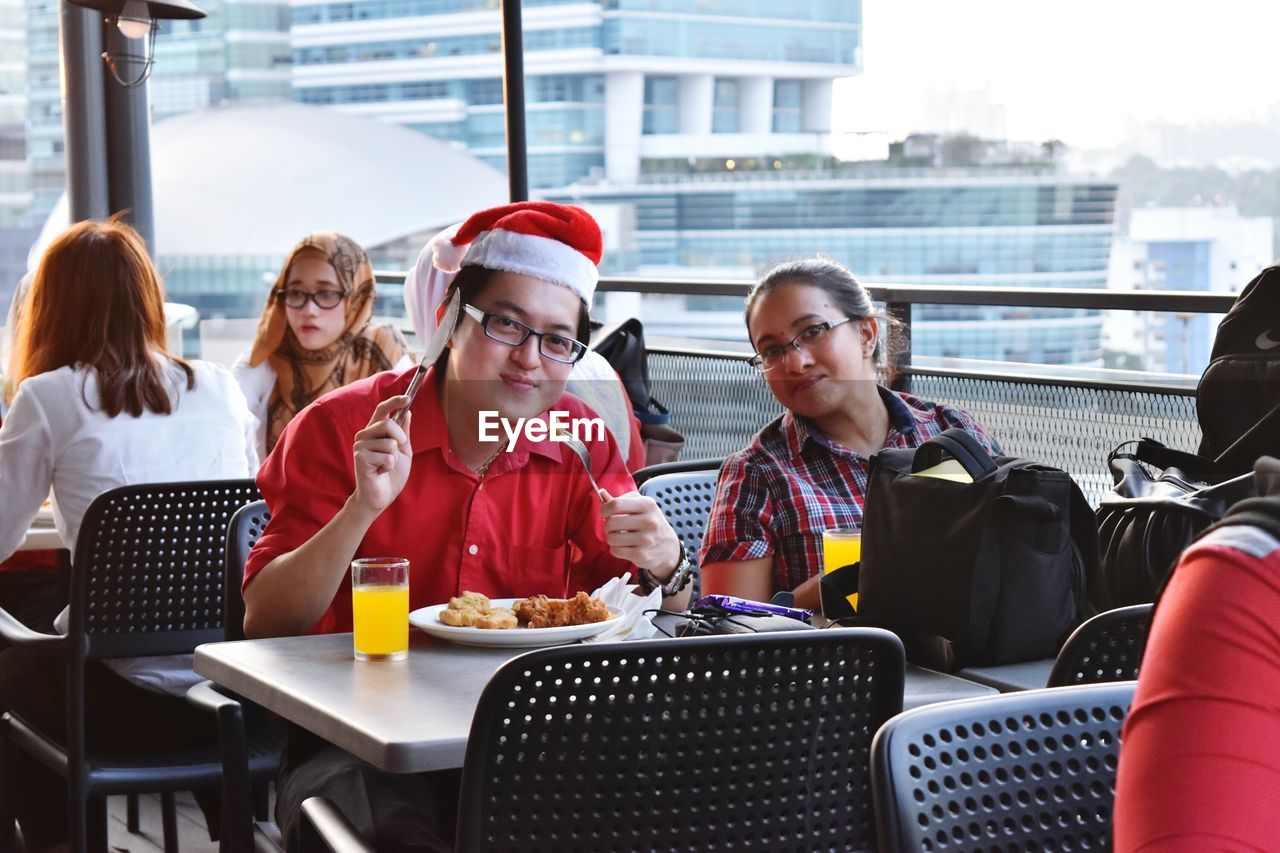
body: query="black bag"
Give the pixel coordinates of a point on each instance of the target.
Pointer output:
(623, 347)
(1242, 382)
(1146, 521)
(1262, 510)
(989, 572)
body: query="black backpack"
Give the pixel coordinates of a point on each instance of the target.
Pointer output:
(1261, 511)
(1241, 385)
(983, 573)
(623, 347)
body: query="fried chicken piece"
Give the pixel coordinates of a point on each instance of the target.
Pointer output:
(541, 612)
(535, 611)
(584, 610)
(476, 601)
(498, 617)
(465, 611)
(460, 618)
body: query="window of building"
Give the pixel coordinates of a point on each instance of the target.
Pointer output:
(788, 104)
(661, 105)
(725, 116)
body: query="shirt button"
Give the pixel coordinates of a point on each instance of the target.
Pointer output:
(472, 550)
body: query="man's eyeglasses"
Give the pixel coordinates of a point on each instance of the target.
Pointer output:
(770, 357)
(325, 299)
(513, 333)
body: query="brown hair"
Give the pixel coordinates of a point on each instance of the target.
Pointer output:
(96, 301)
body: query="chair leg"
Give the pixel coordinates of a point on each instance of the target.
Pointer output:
(261, 800)
(131, 813)
(169, 818)
(8, 841)
(95, 816)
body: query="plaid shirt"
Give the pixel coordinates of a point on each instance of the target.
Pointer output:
(775, 497)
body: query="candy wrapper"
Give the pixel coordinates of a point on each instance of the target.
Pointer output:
(633, 624)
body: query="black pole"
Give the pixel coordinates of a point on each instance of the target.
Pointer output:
(513, 99)
(128, 144)
(83, 117)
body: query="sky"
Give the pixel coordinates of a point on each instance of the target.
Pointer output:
(1084, 71)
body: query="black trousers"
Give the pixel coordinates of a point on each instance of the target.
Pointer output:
(119, 716)
(394, 811)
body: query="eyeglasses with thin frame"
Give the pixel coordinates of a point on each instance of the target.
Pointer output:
(770, 357)
(513, 333)
(324, 299)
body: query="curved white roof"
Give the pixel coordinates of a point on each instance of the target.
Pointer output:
(253, 180)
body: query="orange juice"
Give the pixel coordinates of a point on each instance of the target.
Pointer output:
(380, 608)
(841, 548)
(381, 615)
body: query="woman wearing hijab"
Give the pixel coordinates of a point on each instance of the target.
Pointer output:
(315, 334)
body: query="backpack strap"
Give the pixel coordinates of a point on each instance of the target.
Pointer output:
(960, 446)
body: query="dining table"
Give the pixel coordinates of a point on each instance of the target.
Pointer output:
(42, 535)
(412, 715)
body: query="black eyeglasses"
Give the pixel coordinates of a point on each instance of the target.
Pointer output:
(770, 357)
(325, 299)
(513, 333)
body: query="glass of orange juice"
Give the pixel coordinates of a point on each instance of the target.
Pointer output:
(380, 607)
(842, 548)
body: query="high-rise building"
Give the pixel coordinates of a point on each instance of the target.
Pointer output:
(239, 52)
(1212, 249)
(45, 162)
(982, 227)
(15, 188)
(611, 86)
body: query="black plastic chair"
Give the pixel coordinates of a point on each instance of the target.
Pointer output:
(1107, 647)
(146, 579)
(251, 740)
(748, 742)
(685, 498)
(681, 466)
(1033, 770)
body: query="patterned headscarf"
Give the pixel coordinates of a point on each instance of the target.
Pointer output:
(361, 350)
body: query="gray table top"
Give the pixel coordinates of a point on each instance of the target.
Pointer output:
(412, 715)
(1010, 677)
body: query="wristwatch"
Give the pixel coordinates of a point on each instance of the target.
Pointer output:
(679, 578)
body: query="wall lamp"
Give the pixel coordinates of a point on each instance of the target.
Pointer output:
(136, 19)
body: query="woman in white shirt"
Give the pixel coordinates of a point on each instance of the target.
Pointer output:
(100, 403)
(315, 334)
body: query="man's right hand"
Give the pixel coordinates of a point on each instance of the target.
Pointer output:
(383, 456)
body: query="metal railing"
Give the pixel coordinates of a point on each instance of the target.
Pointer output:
(1067, 417)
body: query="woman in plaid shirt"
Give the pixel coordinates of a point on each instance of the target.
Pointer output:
(818, 343)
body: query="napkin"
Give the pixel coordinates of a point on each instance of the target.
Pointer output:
(633, 624)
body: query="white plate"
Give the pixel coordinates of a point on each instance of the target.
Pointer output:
(428, 619)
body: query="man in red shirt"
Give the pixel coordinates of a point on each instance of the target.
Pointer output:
(489, 513)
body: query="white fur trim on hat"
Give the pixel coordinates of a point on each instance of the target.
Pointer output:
(539, 257)
(446, 256)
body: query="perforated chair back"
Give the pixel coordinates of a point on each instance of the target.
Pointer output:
(685, 499)
(1107, 647)
(242, 534)
(1033, 770)
(747, 742)
(147, 573)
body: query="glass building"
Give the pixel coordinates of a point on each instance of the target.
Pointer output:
(608, 84)
(1013, 228)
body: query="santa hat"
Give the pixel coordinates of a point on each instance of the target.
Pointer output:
(558, 243)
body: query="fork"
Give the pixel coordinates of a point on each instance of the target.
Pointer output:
(581, 449)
